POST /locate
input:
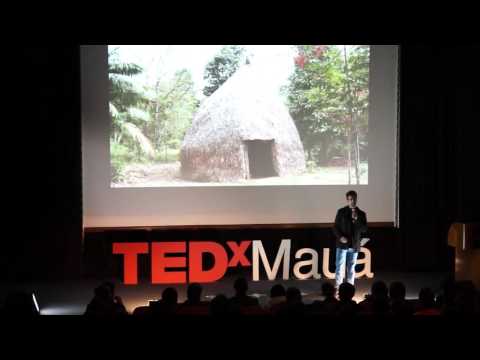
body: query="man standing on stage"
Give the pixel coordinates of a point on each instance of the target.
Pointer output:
(350, 223)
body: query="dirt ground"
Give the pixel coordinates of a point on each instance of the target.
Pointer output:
(158, 175)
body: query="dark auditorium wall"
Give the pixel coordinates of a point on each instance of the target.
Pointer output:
(438, 157)
(44, 240)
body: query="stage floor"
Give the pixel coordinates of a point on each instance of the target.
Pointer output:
(71, 298)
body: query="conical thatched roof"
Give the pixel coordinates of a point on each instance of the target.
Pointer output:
(242, 109)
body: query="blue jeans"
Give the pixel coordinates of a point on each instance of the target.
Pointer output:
(350, 257)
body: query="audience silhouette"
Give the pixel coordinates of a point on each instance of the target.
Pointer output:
(347, 307)
(105, 304)
(457, 299)
(399, 306)
(241, 302)
(294, 305)
(426, 303)
(377, 302)
(219, 306)
(167, 305)
(277, 299)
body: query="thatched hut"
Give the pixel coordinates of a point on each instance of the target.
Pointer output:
(242, 131)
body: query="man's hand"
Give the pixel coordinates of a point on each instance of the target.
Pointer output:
(343, 240)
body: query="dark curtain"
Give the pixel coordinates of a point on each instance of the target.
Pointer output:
(438, 148)
(45, 230)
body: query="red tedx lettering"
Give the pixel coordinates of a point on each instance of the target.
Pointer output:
(130, 252)
(196, 250)
(239, 253)
(160, 262)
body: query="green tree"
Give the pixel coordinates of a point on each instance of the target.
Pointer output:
(222, 66)
(328, 99)
(314, 99)
(171, 106)
(356, 69)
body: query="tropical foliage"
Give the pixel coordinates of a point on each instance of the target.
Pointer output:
(222, 66)
(328, 99)
(147, 122)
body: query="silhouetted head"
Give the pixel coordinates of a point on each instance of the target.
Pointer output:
(169, 296)
(379, 290)
(218, 305)
(397, 290)
(277, 290)
(110, 286)
(426, 298)
(346, 291)
(103, 292)
(241, 286)
(194, 292)
(293, 295)
(328, 290)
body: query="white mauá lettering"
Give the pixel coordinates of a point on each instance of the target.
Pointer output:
(306, 268)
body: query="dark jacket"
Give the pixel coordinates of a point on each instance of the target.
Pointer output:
(351, 230)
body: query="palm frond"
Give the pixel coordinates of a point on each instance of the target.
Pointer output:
(133, 131)
(123, 93)
(127, 69)
(113, 110)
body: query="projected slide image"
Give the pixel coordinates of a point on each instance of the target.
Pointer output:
(227, 115)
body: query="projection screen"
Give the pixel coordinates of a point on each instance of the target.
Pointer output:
(237, 134)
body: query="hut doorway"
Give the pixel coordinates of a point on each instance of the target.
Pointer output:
(260, 158)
